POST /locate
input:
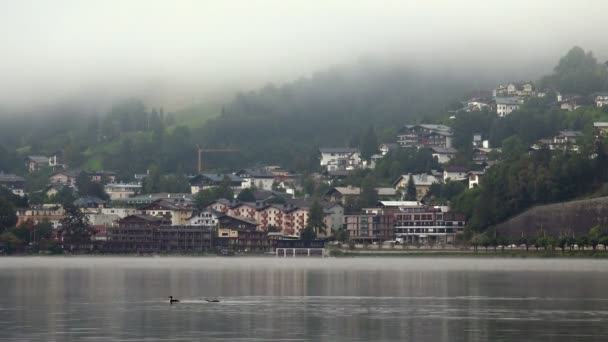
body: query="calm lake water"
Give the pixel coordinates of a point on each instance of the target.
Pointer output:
(265, 299)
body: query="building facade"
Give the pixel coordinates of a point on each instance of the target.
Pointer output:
(425, 136)
(426, 224)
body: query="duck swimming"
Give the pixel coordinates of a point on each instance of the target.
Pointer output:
(171, 300)
(212, 300)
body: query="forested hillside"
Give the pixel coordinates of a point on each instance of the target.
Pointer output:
(277, 124)
(286, 124)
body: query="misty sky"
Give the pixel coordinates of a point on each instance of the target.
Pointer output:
(178, 52)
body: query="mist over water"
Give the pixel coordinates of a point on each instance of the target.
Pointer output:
(387, 299)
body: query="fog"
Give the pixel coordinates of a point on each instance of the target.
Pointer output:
(180, 52)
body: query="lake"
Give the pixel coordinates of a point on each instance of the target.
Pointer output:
(314, 299)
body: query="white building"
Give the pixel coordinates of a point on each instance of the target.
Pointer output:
(443, 154)
(474, 177)
(454, 173)
(260, 179)
(118, 191)
(206, 218)
(601, 100)
(506, 105)
(120, 212)
(343, 158)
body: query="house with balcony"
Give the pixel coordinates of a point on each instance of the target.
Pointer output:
(443, 154)
(14, 183)
(425, 135)
(474, 178)
(455, 173)
(209, 180)
(370, 225)
(261, 179)
(506, 105)
(340, 159)
(177, 213)
(485, 156)
(427, 224)
(601, 100)
(118, 191)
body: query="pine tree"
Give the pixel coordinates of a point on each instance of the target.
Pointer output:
(76, 229)
(410, 191)
(315, 224)
(369, 144)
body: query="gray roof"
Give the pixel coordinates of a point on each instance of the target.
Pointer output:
(570, 133)
(216, 177)
(444, 150)
(422, 179)
(255, 173)
(88, 200)
(437, 129)
(355, 191)
(339, 150)
(600, 124)
(455, 169)
(507, 100)
(153, 197)
(38, 159)
(10, 178)
(69, 173)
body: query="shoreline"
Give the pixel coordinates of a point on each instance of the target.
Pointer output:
(443, 253)
(345, 253)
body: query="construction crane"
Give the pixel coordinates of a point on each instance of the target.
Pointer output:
(201, 150)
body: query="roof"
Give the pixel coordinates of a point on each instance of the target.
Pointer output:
(444, 150)
(100, 173)
(208, 210)
(398, 203)
(347, 190)
(88, 200)
(339, 173)
(507, 100)
(157, 196)
(422, 179)
(255, 173)
(261, 195)
(10, 178)
(487, 150)
(355, 191)
(242, 219)
(123, 185)
(69, 173)
(339, 150)
(58, 186)
(600, 124)
(145, 217)
(437, 129)
(38, 159)
(168, 205)
(216, 177)
(570, 133)
(477, 173)
(455, 169)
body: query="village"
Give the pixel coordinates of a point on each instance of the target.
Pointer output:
(268, 210)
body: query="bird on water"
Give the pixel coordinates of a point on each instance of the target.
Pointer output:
(171, 300)
(212, 300)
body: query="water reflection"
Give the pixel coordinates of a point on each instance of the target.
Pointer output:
(125, 299)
